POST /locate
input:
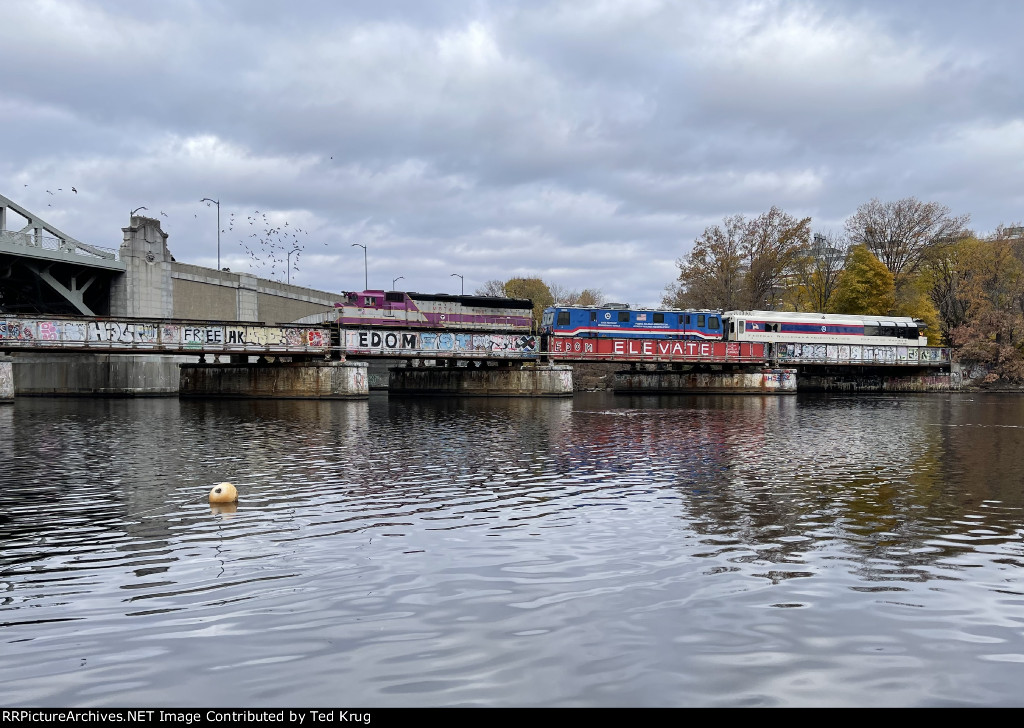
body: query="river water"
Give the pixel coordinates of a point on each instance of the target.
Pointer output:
(686, 551)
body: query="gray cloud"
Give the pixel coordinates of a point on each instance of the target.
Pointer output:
(589, 143)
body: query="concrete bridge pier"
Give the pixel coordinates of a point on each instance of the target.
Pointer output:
(858, 380)
(507, 380)
(275, 380)
(745, 380)
(94, 375)
(6, 379)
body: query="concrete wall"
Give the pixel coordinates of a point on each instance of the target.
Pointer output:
(205, 293)
(157, 286)
(525, 381)
(6, 379)
(198, 300)
(309, 380)
(117, 375)
(145, 288)
(876, 382)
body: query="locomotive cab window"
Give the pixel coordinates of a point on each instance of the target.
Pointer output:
(700, 320)
(369, 301)
(713, 322)
(659, 318)
(624, 316)
(593, 315)
(563, 318)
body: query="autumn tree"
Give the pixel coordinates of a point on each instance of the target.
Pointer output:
(816, 272)
(770, 246)
(739, 264)
(993, 332)
(900, 233)
(865, 286)
(492, 287)
(912, 299)
(534, 289)
(564, 296)
(711, 275)
(948, 268)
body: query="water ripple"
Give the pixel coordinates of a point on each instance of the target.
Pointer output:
(637, 551)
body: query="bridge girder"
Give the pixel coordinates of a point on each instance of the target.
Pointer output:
(45, 270)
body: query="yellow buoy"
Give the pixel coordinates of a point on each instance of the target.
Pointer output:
(223, 493)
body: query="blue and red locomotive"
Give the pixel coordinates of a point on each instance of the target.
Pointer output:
(621, 321)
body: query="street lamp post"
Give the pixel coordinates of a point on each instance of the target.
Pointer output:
(217, 203)
(366, 278)
(288, 263)
(463, 282)
(395, 280)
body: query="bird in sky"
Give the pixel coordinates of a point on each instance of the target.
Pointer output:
(74, 190)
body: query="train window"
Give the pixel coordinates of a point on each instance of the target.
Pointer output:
(687, 319)
(623, 316)
(593, 315)
(369, 301)
(713, 322)
(563, 318)
(394, 296)
(870, 330)
(700, 321)
(659, 318)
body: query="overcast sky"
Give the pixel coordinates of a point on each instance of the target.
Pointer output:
(585, 142)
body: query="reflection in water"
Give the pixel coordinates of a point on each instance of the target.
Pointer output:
(632, 551)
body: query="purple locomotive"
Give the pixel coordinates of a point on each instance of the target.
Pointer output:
(434, 311)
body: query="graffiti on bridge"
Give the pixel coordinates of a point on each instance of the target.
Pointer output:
(860, 354)
(155, 335)
(428, 343)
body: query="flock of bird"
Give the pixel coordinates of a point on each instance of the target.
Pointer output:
(270, 249)
(273, 246)
(59, 189)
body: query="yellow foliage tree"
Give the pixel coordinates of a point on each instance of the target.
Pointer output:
(534, 289)
(865, 286)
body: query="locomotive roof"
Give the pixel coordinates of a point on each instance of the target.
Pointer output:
(482, 301)
(627, 307)
(817, 316)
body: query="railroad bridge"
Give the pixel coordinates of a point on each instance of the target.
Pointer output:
(82, 319)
